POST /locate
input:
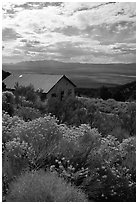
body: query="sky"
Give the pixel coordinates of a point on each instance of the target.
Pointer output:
(86, 32)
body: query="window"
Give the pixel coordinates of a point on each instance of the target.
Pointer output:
(62, 95)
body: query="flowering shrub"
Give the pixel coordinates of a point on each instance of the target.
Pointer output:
(28, 113)
(17, 156)
(109, 177)
(28, 144)
(42, 134)
(128, 153)
(8, 124)
(105, 184)
(78, 141)
(75, 147)
(43, 187)
(109, 150)
(71, 172)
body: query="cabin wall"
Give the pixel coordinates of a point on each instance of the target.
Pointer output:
(61, 90)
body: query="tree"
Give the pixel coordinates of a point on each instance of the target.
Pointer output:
(105, 93)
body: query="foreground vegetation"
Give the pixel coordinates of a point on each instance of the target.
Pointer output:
(84, 146)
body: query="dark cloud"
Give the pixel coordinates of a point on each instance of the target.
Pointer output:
(27, 5)
(36, 42)
(37, 5)
(10, 12)
(29, 45)
(122, 12)
(23, 40)
(9, 34)
(84, 7)
(32, 42)
(98, 6)
(45, 4)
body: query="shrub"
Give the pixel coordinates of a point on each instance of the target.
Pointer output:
(8, 125)
(16, 158)
(106, 123)
(71, 172)
(28, 113)
(24, 102)
(109, 150)
(67, 111)
(54, 107)
(105, 184)
(111, 174)
(3, 86)
(8, 100)
(43, 187)
(27, 91)
(76, 145)
(43, 134)
(128, 153)
(41, 105)
(79, 141)
(128, 117)
(120, 133)
(104, 165)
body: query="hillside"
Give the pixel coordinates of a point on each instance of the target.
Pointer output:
(91, 146)
(126, 92)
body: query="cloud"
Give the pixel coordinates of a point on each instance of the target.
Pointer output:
(105, 14)
(9, 34)
(64, 30)
(124, 48)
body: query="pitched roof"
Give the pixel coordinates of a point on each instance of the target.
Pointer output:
(43, 81)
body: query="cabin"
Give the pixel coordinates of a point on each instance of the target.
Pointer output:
(53, 86)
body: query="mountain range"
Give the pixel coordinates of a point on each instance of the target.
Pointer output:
(82, 74)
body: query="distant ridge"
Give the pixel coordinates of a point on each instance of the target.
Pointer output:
(46, 65)
(83, 74)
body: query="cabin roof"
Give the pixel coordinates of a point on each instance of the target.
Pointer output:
(39, 81)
